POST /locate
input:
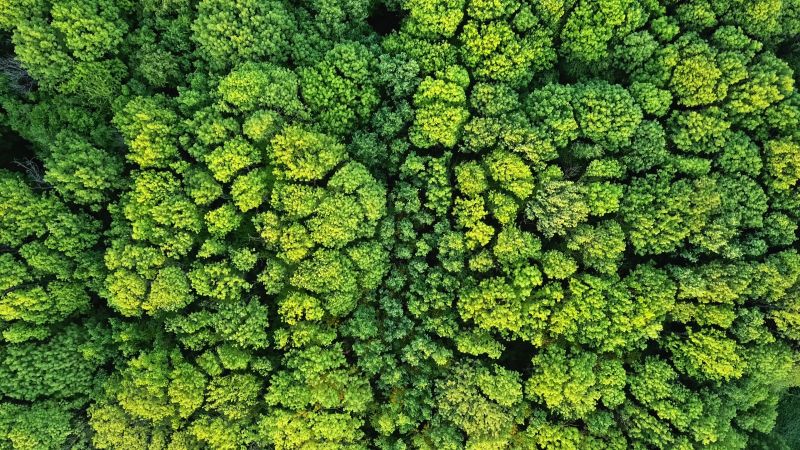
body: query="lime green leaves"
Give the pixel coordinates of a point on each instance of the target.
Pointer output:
(441, 109)
(306, 155)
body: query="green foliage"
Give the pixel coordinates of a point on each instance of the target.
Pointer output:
(338, 91)
(662, 213)
(316, 401)
(592, 26)
(399, 224)
(557, 207)
(227, 34)
(149, 127)
(571, 383)
(485, 403)
(64, 366)
(50, 264)
(441, 109)
(433, 19)
(80, 171)
(252, 86)
(305, 155)
(44, 425)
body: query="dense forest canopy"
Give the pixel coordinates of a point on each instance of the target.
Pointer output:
(398, 224)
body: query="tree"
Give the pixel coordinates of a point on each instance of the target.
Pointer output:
(782, 163)
(261, 31)
(590, 27)
(251, 86)
(433, 20)
(43, 425)
(485, 403)
(306, 155)
(572, 382)
(441, 109)
(150, 127)
(338, 90)
(600, 247)
(495, 52)
(316, 380)
(661, 214)
(558, 206)
(49, 266)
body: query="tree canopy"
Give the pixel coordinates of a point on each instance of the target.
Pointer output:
(398, 224)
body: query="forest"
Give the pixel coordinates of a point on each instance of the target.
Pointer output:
(399, 224)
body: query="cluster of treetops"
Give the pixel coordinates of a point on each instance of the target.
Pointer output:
(398, 224)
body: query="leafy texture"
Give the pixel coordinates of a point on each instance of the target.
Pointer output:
(399, 224)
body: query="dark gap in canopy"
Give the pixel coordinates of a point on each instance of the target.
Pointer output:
(16, 154)
(384, 21)
(517, 356)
